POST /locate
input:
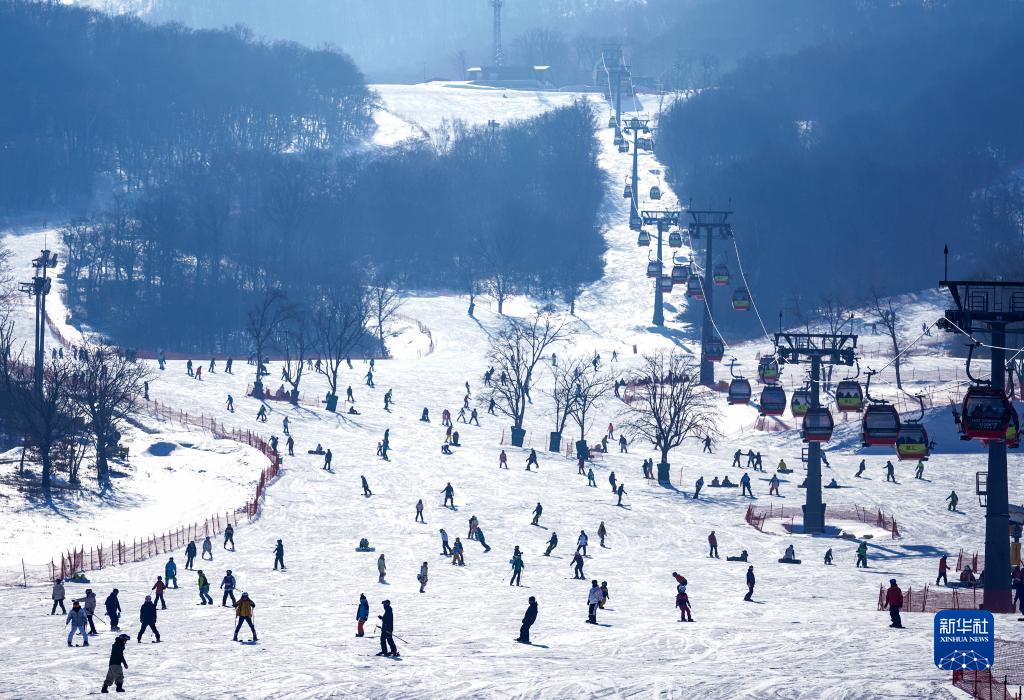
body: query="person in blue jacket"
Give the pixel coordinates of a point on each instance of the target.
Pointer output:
(362, 614)
(170, 573)
(78, 619)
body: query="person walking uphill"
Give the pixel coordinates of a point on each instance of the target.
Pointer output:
(943, 568)
(147, 616)
(279, 556)
(115, 672)
(750, 584)
(229, 536)
(362, 614)
(89, 604)
(387, 629)
(113, 607)
(159, 587)
(528, 619)
(190, 554)
(243, 611)
(77, 618)
(171, 573)
(712, 545)
(57, 595)
(204, 589)
(894, 602)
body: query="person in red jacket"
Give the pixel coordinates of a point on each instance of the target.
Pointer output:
(943, 568)
(894, 601)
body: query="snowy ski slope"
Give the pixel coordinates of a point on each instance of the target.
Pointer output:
(812, 632)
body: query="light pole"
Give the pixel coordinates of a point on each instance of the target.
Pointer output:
(39, 287)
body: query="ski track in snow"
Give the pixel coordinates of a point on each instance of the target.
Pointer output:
(814, 632)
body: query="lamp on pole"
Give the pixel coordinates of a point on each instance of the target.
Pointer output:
(38, 288)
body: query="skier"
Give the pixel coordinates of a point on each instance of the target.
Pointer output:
(682, 599)
(279, 556)
(449, 495)
(707, 444)
(213, 364)
(291, 446)
(362, 614)
(89, 604)
(387, 627)
(611, 480)
(419, 512)
(943, 568)
(750, 584)
(228, 584)
(503, 460)
(474, 418)
(462, 415)
(894, 602)
(536, 514)
(736, 458)
(328, 456)
(528, 619)
(697, 487)
(745, 483)
(147, 616)
(919, 470)
(385, 445)
(953, 500)
(552, 543)
(422, 577)
(273, 443)
(577, 566)
(773, 485)
(712, 545)
(594, 598)
(229, 536)
(828, 557)
(115, 673)
(445, 549)
(171, 573)
(369, 379)
(231, 404)
(517, 567)
(113, 606)
(159, 587)
(243, 611)
(78, 619)
(621, 492)
(623, 444)
(387, 400)
(366, 487)
(284, 425)
(490, 407)
(591, 481)
(605, 597)
(602, 532)
(581, 543)
(890, 472)
(860, 469)
(532, 459)
(207, 548)
(862, 555)
(261, 415)
(480, 538)
(446, 418)
(204, 589)
(458, 554)
(190, 554)
(382, 568)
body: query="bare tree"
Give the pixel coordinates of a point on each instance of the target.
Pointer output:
(589, 387)
(105, 391)
(48, 420)
(8, 288)
(297, 339)
(263, 323)
(835, 314)
(340, 325)
(563, 391)
(885, 312)
(514, 353)
(669, 404)
(385, 301)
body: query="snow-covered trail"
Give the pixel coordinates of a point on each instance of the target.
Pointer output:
(813, 631)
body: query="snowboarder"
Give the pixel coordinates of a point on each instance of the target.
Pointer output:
(171, 573)
(698, 485)
(517, 567)
(387, 400)
(387, 628)
(828, 557)
(581, 543)
(591, 481)
(243, 611)
(207, 548)
(231, 404)
(291, 446)
(482, 540)
(594, 598)
(953, 500)
(620, 493)
(190, 554)
(919, 470)
(115, 672)
(362, 614)
(228, 584)
(611, 480)
(577, 566)
(328, 456)
(943, 568)
(382, 568)
(474, 418)
(490, 407)
(750, 584)
(369, 379)
(682, 599)
(284, 425)
(188, 368)
(860, 469)
(229, 536)
(147, 616)
(458, 554)
(528, 619)
(261, 415)
(532, 459)
(78, 618)
(745, 483)
(366, 487)
(159, 587)
(279, 556)
(204, 589)
(773, 485)
(57, 596)
(890, 471)
(113, 607)
(419, 512)
(894, 602)
(790, 554)
(228, 364)
(425, 416)
(552, 543)
(712, 545)
(449, 495)
(422, 577)
(536, 514)
(445, 549)
(862, 555)
(602, 532)
(503, 460)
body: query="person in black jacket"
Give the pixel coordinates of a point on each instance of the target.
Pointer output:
(113, 606)
(190, 554)
(147, 616)
(279, 556)
(750, 584)
(115, 676)
(387, 626)
(528, 619)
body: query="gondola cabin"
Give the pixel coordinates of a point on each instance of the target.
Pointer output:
(635, 222)
(680, 273)
(627, 191)
(773, 400)
(880, 425)
(611, 122)
(768, 370)
(714, 349)
(643, 239)
(818, 425)
(623, 147)
(739, 391)
(694, 289)
(912, 442)
(721, 275)
(665, 284)
(1012, 438)
(985, 413)
(654, 269)
(655, 192)
(741, 300)
(849, 396)
(675, 240)
(800, 402)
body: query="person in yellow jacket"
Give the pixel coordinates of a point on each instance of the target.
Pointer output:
(243, 611)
